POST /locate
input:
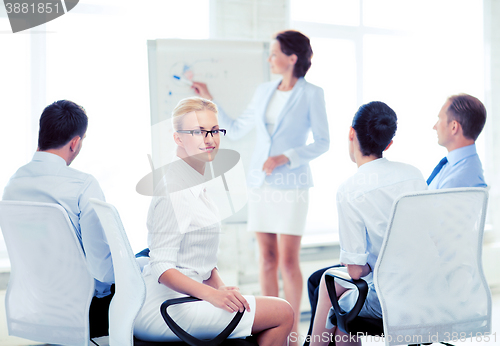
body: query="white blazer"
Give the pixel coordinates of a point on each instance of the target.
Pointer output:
(304, 111)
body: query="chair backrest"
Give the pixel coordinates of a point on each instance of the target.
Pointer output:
(50, 288)
(130, 289)
(429, 276)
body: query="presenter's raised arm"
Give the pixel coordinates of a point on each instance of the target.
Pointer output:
(201, 90)
(236, 128)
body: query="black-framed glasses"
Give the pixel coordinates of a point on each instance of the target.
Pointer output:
(206, 132)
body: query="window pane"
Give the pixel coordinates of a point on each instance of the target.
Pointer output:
(104, 67)
(15, 126)
(422, 15)
(431, 56)
(414, 75)
(337, 12)
(396, 14)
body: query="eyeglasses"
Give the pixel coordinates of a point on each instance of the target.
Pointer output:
(201, 132)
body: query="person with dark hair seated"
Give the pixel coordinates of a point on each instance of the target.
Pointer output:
(460, 122)
(47, 178)
(364, 205)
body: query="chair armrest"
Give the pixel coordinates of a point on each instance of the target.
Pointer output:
(188, 338)
(345, 317)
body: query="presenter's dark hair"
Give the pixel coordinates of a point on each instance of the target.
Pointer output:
(59, 123)
(375, 124)
(469, 112)
(294, 42)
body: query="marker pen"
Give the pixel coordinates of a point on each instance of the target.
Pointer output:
(184, 80)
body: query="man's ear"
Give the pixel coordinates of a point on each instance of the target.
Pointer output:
(74, 143)
(455, 127)
(389, 145)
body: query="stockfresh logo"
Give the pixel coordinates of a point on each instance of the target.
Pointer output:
(26, 14)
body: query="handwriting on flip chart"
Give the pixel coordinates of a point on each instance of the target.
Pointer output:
(232, 71)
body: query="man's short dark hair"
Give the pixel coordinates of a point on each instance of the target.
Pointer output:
(59, 123)
(375, 124)
(469, 112)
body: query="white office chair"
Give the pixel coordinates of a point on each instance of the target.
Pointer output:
(130, 290)
(428, 276)
(50, 288)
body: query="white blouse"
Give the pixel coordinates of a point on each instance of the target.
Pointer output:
(183, 224)
(274, 108)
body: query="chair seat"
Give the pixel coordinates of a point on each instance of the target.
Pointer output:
(133, 290)
(139, 342)
(365, 325)
(248, 341)
(423, 299)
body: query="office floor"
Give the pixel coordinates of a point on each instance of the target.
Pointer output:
(494, 338)
(312, 258)
(304, 325)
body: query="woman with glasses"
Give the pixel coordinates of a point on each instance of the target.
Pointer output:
(183, 238)
(283, 112)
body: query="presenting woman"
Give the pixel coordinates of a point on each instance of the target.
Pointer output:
(183, 238)
(284, 112)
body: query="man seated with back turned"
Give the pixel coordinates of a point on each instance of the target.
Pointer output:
(47, 178)
(460, 122)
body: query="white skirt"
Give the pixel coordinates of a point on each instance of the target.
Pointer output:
(200, 319)
(280, 211)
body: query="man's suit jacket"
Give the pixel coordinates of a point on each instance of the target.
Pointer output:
(304, 111)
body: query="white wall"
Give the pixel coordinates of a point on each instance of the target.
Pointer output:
(254, 20)
(248, 19)
(491, 256)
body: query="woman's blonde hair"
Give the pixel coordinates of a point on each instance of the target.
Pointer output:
(188, 105)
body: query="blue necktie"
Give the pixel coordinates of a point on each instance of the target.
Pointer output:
(437, 169)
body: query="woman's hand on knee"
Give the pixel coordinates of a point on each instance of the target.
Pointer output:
(229, 288)
(229, 298)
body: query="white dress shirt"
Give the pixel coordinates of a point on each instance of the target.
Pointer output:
(364, 204)
(183, 224)
(184, 231)
(48, 179)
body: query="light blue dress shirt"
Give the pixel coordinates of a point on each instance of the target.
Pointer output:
(463, 169)
(48, 179)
